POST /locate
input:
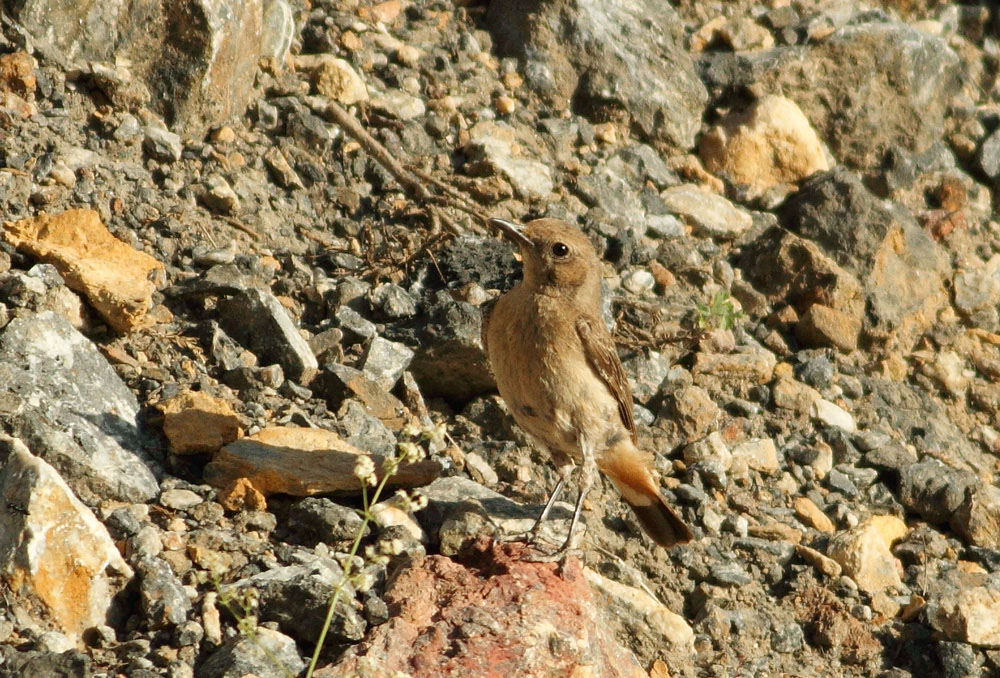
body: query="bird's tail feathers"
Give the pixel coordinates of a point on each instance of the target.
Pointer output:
(628, 468)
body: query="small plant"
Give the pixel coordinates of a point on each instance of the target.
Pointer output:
(719, 314)
(419, 441)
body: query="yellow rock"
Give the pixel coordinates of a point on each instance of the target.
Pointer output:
(195, 422)
(864, 553)
(812, 515)
(114, 277)
(769, 144)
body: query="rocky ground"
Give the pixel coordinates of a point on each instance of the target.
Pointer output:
(217, 293)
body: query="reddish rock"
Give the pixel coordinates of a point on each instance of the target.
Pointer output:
(494, 616)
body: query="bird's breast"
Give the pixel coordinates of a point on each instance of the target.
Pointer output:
(544, 376)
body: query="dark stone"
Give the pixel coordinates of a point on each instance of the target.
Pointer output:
(934, 490)
(449, 360)
(318, 519)
(256, 319)
(69, 664)
(299, 604)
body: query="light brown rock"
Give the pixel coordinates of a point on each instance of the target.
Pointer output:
(978, 519)
(303, 462)
(822, 326)
(968, 615)
(241, 495)
(759, 455)
(647, 614)
(195, 422)
(52, 547)
(828, 566)
(812, 515)
(794, 395)
(333, 77)
(768, 144)
(864, 553)
(754, 368)
(114, 277)
(17, 74)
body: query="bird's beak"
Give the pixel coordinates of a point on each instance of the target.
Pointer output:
(512, 231)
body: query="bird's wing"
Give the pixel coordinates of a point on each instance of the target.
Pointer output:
(602, 355)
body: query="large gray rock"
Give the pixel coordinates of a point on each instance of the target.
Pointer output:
(909, 77)
(60, 395)
(196, 58)
(901, 269)
(613, 60)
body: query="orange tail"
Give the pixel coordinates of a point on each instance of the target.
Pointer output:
(629, 470)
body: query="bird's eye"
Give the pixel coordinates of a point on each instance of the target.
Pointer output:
(560, 250)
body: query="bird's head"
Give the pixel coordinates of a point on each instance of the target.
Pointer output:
(555, 255)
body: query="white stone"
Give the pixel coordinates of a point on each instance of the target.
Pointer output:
(832, 415)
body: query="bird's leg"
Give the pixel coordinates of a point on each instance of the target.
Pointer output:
(550, 502)
(588, 474)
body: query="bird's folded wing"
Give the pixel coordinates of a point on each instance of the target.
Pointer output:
(602, 355)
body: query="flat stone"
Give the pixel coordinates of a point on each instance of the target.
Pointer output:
(52, 547)
(161, 144)
(114, 277)
(59, 394)
(708, 214)
(400, 105)
(768, 144)
(302, 462)
(195, 422)
(179, 499)
(864, 553)
(794, 395)
(758, 455)
(532, 179)
(256, 319)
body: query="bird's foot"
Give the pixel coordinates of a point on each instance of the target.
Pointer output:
(560, 555)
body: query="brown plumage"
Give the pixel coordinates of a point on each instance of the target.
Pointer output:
(557, 369)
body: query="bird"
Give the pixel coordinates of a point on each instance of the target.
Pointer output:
(557, 368)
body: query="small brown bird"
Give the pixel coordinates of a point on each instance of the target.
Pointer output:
(557, 369)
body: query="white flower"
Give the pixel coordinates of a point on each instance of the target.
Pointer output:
(364, 470)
